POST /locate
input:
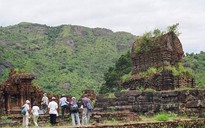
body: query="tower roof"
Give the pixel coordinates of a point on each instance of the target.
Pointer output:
(168, 41)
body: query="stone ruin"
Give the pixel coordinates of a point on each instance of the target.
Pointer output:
(184, 102)
(168, 92)
(15, 90)
(90, 94)
(164, 52)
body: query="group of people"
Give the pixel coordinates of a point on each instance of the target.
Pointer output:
(72, 106)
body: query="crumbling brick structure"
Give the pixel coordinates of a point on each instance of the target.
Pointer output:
(162, 56)
(165, 51)
(15, 90)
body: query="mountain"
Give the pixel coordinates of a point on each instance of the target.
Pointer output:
(64, 59)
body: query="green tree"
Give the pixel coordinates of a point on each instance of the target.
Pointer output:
(174, 28)
(113, 75)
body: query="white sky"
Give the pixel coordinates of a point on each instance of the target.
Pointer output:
(134, 16)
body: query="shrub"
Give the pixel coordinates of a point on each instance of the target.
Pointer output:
(126, 77)
(162, 117)
(173, 69)
(111, 95)
(5, 119)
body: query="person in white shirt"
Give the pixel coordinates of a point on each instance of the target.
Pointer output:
(44, 102)
(64, 105)
(26, 116)
(53, 106)
(35, 112)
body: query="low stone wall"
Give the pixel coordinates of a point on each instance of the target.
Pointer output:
(194, 123)
(189, 102)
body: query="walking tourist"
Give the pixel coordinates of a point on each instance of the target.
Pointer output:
(44, 103)
(53, 106)
(35, 113)
(26, 108)
(74, 112)
(64, 105)
(87, 110)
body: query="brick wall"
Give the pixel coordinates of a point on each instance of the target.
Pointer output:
(190, 102)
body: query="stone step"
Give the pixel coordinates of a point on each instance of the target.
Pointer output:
(119, 115)
(114, 108)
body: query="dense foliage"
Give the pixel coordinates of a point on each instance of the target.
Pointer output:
(113, 75)
(146, 42)
(197, 63)
(64, 59)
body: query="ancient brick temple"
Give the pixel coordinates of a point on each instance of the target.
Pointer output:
(16, 90)
(165, 51)
(163, 56)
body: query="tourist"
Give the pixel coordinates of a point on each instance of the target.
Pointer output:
(44, 103)
(74, 112)
(64, 105)
(86, 111)
(53, 106)
(26, 116)
(35, 112)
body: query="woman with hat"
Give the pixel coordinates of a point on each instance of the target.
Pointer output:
(35, 112)
(26, 116)
(44, 103)
(74, 112)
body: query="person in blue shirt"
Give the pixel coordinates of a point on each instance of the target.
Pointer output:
(64, 105)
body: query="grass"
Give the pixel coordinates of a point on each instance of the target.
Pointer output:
(159, 117)
(110, 121)
(5, 119)
(111, 95)
(162, 117)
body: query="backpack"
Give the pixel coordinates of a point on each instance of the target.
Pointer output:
(23, 110)
(89, 106)
(73, 107)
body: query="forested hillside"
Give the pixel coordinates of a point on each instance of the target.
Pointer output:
(197, 63)
(64, 59)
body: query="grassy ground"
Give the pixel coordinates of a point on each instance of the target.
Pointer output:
(161, 117)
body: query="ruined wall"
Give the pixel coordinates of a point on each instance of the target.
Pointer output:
(160, 81)
(156, 58)
(163, 51)
(190, 102)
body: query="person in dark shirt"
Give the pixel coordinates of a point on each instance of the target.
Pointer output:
(74, 111)
(86, 112)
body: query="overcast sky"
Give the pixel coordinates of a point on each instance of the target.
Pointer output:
(134, 16)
